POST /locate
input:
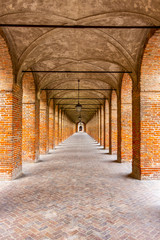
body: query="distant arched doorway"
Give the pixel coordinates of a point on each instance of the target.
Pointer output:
(80, 127)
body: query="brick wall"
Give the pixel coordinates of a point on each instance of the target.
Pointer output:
(126, 118)
(146, 112)
(93, 126)
(70, 127)
(114, 123)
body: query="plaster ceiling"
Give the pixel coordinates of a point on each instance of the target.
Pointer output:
(78, 49)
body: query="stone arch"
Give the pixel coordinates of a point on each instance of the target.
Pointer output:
(10, 118)
(126, 118)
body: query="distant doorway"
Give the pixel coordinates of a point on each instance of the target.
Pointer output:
(80, 127)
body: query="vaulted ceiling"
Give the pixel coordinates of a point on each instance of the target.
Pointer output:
(61, 49)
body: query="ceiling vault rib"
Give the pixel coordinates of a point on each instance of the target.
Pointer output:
(79, 98)
(37, 71)
(98, 104)
(50, 89)
(76, 26)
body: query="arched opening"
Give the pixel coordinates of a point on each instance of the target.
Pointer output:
(114, 123)
(126, 118)
(80, 127)
(10, 118)
(146, 114)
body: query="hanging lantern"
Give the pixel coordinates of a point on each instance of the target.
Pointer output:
(78, 106)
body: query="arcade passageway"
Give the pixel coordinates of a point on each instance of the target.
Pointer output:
(79, 119)
(79, 192)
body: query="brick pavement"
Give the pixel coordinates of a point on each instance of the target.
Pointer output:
(79, 192)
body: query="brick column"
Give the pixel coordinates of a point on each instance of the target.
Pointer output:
(126, 119)
(114, 123)
(30, 123)
(63, 125)
(10, 132)
(119, 126)
(102, 125)
(146, 114)
(106, 146)
(56, 125)
(10, 118)
(60, 125)
(99, 125)
(44, 124)
(51, 125)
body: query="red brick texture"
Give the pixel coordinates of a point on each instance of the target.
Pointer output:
(56, 125)
(30, 125)
(91, 127)
(106, 122)
(114, 123)
(10, 118)
(60, 126)
(99, 125)
(44, 124)
(146, 114)
(126, 118)
(64, 127)
(102, 125)
(63, 136)
(70, 127)
(51, 124)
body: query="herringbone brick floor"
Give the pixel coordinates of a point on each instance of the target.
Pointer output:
(79, 192)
